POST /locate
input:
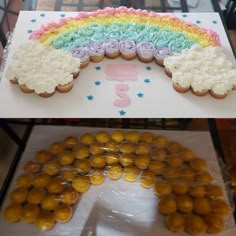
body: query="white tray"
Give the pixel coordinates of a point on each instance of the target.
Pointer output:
(159, 98)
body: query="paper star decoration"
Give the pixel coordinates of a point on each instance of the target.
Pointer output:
(62, 15)
(148, 68)
(147, 80)
(97, 83)
(42, 15)
(98, 67)
(122, 112)
(90, 97)
(140, 95)
(30, 31)
(33, 20)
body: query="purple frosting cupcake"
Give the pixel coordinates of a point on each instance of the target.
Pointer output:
(83, 54)
(145, 51)
(128, 49)
(96, 52)
(160, 54)
(111, 47)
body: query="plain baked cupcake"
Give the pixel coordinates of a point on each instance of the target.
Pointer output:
(114, 172)
(45, 220)
(63, 213)
(71, 141)
(131, 173)
(147, 179)
(128, 49)
(81, 183)
(12, 213)
(97, 176)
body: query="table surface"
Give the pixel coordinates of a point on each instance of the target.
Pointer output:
(113, 198)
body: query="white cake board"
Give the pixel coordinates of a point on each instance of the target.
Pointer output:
(116, 208)
(159, 98)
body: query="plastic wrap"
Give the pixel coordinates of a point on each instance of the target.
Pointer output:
(115, 207)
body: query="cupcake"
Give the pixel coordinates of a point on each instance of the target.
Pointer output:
(83, 54)
(111, 47)
(128, 49)
(96, 52)
(145, 51)
(160, 54)
(65, 88)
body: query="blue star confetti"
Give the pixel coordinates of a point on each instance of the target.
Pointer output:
(198, 21)
(63, 15)
(184, 15)
(214, 22)
(140, 95)
(42, 14)
(122, 112)
(90, 97)
(97, 83)
(146, 80)
(33, 20)
(148, 68)
(98, 67)
(29, 31)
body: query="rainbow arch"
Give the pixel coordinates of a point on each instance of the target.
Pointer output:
(124, 24)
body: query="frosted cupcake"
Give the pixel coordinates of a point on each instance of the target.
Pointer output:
(145, 51)
(83, 54)
(96, 52)
(181, 82)
(111, 47)
(160, 54)
(128, 49)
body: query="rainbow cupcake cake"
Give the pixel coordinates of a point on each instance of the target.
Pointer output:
(179, 46)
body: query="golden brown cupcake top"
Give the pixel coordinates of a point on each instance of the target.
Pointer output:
(19, 195)
(118, 136)
(87, 139)
(56, 148)
(13, 212)
(43, 156)
(103, 137)
(32, 167)
(71, 141)
(132, 136)
(24, 181)
(66, 158)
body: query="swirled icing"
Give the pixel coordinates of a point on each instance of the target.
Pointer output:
(96, 49)
(111, 45)
(202, 68)
(124, 24)
(145, 49)
(127, 47)
(81, 53)
(41, 68)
